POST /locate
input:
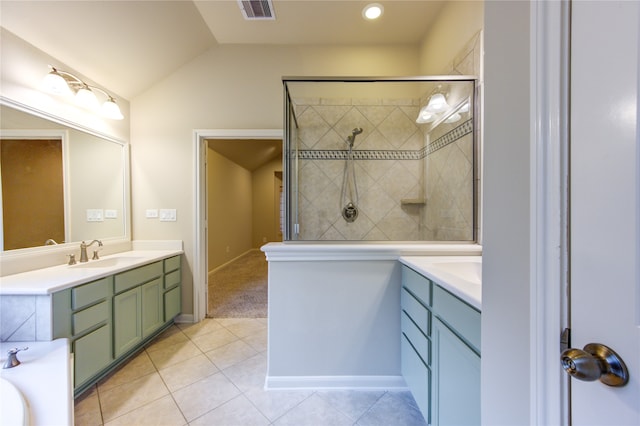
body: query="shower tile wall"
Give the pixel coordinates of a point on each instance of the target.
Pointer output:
(388, 168)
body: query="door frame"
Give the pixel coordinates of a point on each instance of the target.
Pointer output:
(549, 127)
(200, 269)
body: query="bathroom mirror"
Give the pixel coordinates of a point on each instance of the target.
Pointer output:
(59, 182)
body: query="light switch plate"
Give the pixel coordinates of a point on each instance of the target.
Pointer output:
(95, 215)
(151, 213)
(168, 215)
(110, 214)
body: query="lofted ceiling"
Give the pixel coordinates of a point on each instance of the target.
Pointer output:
(128, 46)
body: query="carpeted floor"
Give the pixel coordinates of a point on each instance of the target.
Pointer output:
(239, 290)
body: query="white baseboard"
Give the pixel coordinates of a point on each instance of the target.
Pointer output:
(394, 383)
(184, 319)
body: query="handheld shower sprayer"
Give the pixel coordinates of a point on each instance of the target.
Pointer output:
(352, 137)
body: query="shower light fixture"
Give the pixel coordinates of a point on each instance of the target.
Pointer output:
(65, 83)
(372, 11)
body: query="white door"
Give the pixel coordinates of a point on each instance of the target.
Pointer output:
(604, 198)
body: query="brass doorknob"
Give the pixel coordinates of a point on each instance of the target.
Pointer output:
(595, 362)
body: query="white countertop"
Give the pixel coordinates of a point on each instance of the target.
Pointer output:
(460, 275)
(44, 379)
(49, 280)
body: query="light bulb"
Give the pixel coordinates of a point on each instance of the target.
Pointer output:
(55, 83)
(110, 109)
(86, 98)
(425, 116)
(372, 11)
(437, 103)
(453, 118)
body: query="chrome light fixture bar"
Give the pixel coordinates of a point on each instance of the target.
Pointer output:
(64, 83)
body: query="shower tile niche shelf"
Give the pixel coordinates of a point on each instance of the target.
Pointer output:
(413, 202)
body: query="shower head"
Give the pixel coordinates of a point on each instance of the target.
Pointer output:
(352, 137)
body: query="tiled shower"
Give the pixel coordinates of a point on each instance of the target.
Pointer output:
(415, 181)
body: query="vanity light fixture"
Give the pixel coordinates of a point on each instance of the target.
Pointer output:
(372, 11)
(437, 103)
(64, 83)
(425, 116)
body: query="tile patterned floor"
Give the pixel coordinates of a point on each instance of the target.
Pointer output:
(212, 373)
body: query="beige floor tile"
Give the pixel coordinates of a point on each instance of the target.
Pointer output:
(214, 340)
(171, 336)
(205, 395)
(138, 366)
(248, 374)
(86, 409)
(170, 355)
(205, 326)
(314, 411)
(127, 397)
(257, 341)
(163, 411)
(233, 353)
(238, 411)
(187, 372)
(246, 327)
(274, 403)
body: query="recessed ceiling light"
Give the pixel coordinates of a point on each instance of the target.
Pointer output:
(372, 11)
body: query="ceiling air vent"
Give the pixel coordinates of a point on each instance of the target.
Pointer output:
(257, 9)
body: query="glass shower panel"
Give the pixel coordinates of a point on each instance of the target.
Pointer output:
(381, 159)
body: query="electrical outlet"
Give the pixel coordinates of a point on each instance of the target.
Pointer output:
(111, 214)
(151, 213)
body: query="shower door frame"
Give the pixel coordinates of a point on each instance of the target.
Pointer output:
(291, 224)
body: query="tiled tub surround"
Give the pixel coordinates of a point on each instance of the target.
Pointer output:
(25, 298)
(396, 160)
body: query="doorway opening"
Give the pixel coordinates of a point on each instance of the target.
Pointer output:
(238, 213)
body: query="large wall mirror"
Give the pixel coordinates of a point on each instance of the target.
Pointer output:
(59, 183)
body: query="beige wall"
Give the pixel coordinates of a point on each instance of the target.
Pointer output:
(230, 209)
(457, 23)
(265, 206)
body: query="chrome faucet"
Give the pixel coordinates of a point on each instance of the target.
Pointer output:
(83, 251)
(12, 359)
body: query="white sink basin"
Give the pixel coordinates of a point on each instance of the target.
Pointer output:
(15, 410)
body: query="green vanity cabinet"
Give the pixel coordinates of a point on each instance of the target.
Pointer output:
(440, 351)
(83, 314)
(109, 319)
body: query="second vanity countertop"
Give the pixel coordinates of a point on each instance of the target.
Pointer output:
(49, 280)
(460, 275)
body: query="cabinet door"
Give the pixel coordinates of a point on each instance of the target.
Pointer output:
(456, 379)
(91, 354)
(127, 320)
(152, 306)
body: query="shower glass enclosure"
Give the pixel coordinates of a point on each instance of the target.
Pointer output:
(381, 159)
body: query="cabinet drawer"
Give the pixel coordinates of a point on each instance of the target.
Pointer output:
(418, 313)
(172, 264)
(172, 304)
(91, 354)
(172, 279)
(89, 293)
(90, 317)
(137, 276)
(417, 284)
(417, 376)
(419, 341)
(464, 319)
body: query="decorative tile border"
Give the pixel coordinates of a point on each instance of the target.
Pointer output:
(341, 154)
